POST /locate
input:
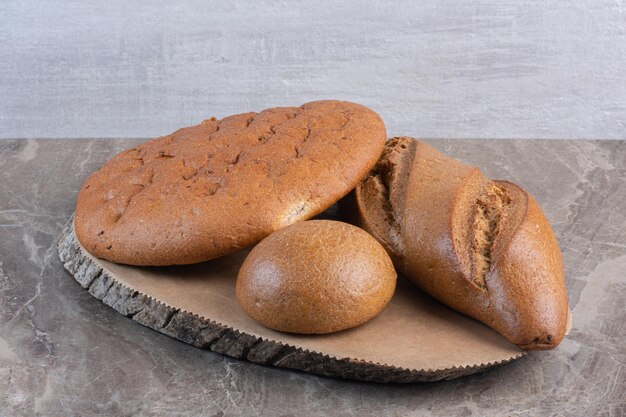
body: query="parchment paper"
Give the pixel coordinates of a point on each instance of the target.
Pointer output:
(414, 332)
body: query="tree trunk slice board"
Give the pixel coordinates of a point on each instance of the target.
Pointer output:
(414, 339)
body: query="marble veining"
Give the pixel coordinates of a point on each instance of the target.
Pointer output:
(453, 69)
(64, 353)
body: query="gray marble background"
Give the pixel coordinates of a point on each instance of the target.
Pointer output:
(63, 352)
(433, 68)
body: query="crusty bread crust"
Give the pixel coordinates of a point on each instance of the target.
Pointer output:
(482, 247)
(211, 189)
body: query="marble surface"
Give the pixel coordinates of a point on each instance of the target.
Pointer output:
(62, 352)
(435, 68)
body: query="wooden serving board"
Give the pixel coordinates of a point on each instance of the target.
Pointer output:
(414, 339)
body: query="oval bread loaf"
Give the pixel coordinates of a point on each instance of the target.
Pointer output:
(482, 247)
(209, 190)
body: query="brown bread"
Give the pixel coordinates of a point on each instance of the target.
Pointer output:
(318, 276)
(481, 246)
(211, 189)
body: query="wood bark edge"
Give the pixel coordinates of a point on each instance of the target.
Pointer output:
(207, 334)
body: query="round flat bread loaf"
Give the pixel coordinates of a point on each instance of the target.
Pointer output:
(208, 190)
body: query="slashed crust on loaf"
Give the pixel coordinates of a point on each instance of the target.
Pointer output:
(489, 207)
(481, 246)
(383, 189)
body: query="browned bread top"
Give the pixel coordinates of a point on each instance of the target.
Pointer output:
(208, 190)
(482, 247)
(318, 276)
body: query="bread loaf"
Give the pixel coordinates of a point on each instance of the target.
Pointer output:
(481, 246)
(209, 190)
(318, 276)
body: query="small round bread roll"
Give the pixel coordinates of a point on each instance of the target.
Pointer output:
(318, 276)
